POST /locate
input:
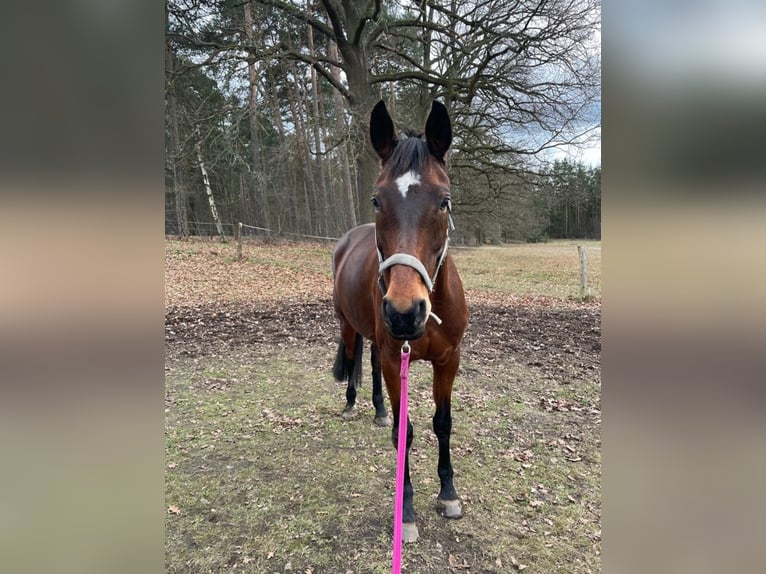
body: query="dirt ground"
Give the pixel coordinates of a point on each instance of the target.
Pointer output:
(562, 343)
(264, 476)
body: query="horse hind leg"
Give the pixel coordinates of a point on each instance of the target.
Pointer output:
(348, 367)
(381, 416)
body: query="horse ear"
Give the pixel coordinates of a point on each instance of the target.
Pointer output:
(382, 133)
(438, 130)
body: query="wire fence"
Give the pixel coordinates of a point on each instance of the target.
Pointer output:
(210, 229)
(239, 229)
(245, 226)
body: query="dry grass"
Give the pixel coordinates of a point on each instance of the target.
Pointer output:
(263, 476)
(200, 270)
(203, 271)
(540, 270)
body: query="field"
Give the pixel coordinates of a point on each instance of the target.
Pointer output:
(264, 476)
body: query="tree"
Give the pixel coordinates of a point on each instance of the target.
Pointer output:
(518, 78)
(174, 146)
(255, 144)
(573, 193)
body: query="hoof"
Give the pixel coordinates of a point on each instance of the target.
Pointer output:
(449, 508)
(348, 414)
(409, 532)
(383, 421)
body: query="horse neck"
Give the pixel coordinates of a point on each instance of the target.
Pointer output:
(444, 290)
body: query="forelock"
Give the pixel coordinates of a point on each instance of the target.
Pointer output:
(410, 154)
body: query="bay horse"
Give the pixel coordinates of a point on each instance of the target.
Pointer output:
(393, 281)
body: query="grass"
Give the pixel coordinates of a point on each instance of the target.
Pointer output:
(542, 269)
(549, 270)
(263, 475)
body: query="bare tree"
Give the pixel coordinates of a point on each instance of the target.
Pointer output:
(519, 77)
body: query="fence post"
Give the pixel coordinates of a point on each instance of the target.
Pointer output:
(583, 271)
(239, 241)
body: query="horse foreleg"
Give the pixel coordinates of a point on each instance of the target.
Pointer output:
(447, 502)
(393, 386)
(381, 416)
(409, 528)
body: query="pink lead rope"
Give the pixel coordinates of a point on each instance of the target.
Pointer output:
(401, 452)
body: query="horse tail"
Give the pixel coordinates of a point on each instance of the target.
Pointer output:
(339, 368)
(344, 369)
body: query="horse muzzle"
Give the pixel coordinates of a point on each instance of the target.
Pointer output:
(407, 324)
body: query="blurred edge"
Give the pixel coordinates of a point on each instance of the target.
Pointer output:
(684, 278)
(81, 288)
(81, 381)
(684, 269)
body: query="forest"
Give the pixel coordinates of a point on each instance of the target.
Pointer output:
(267, 105)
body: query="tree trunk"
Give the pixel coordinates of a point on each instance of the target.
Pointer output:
(179, 191)
(303, 151)
(242, 198)
(349, 25)
(367, 161)
(425, 94)
(209, 190)
(323, 199)
(259, 190)
(342, 131)
(334, 225)
(288, 195)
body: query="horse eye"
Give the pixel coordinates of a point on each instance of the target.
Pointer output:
(375, 203)
(446, 204)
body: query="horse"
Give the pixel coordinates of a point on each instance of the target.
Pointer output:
(394, 281)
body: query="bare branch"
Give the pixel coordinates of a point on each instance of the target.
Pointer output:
(339, 34)
(297, 14)
(315, 63)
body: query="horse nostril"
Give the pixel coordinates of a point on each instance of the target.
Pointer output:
(422, 308)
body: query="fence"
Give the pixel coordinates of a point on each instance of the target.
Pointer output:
(239, 229)
(235, 230)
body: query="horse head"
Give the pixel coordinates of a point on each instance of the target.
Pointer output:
(412, 217)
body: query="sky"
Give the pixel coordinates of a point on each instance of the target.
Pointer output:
(589, 154)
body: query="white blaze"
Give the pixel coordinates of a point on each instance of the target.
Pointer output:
(405, 181)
